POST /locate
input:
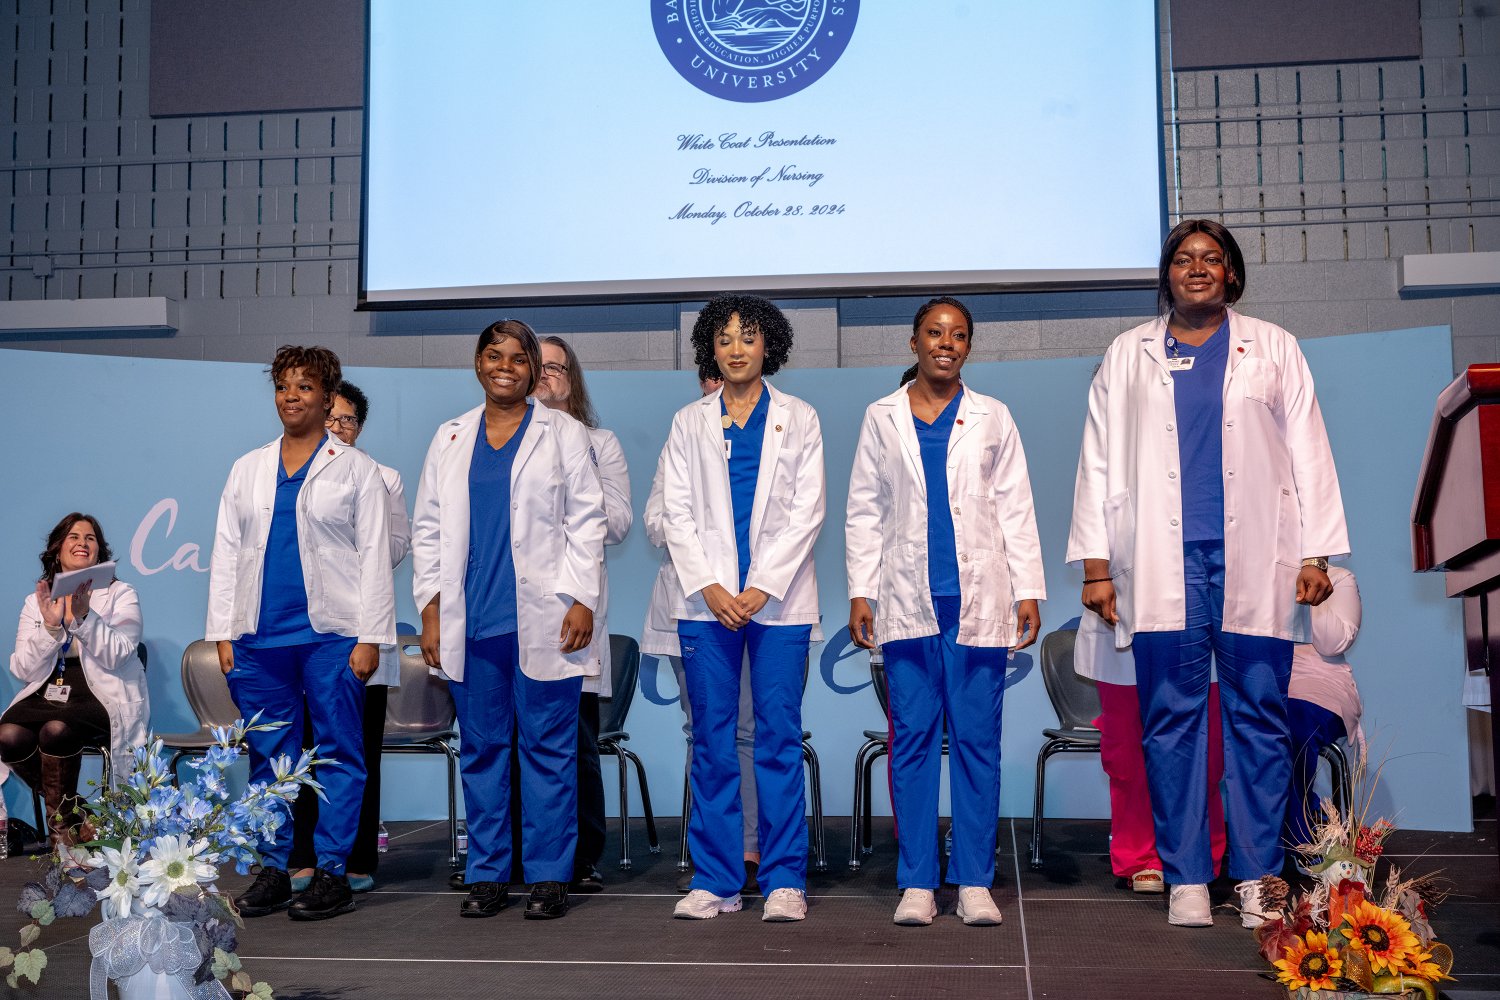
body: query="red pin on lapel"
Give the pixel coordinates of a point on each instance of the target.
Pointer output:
(330, 451)
(1240, 349)
(960, 421)
(453, 438)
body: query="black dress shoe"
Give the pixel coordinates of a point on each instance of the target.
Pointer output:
(456, 881)
(327, 895)
(752, 883)
(549, 900)
(586, 878)
(485, 899)
(271, 891)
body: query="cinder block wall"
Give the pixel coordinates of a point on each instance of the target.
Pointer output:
(1327, 174)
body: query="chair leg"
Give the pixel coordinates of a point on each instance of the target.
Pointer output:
(451, 756)
(815, 773)
(857, 812)
(640, 777)
(1338, 776)
(881, 750)
(625, 863)
(1046, 751)
(687, 810)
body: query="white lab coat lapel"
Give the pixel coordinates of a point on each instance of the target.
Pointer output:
(906, 431)
(535, 428)
(1241, 346)
(970, 409)
(777, 418)
(453, 487)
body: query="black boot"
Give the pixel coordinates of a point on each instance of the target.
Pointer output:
(327, 896)
(271, 891)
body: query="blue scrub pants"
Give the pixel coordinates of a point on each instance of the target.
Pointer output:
(1172, 676)
(275, 681)
(1313, 728)
(493, 698)
(712, 656)
(931, 679)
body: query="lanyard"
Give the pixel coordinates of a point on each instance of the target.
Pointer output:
(62, 653)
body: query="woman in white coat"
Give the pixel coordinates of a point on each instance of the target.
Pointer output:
(507, 569)
(945, 572)
(300, 599)
(562, 387)
(85, 685)
(742, 504)
(1205, 511)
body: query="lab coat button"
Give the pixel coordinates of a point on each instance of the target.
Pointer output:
(1171, 427)
(1171, 475)
(1174, 522)
(1229, 424)
(1229, 473)
(964, 557)
(522, 580)
(955, 510)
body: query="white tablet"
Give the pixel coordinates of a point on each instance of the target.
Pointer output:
(100, 575)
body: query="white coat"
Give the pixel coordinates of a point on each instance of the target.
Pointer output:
(614, 479)
(659, 631)
(1320, 671)
(557, 527)
(106, 644)
(1281, 492)
(389, 670)
(994, 522)
(343, 536)
(698, 513)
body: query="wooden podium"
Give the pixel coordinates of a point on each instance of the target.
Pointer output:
(1455, 518)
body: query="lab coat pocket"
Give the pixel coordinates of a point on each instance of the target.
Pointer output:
(778, 516)
(900, 595)
(1262, 380)
(1119, 530)
(338, 569)
(330, 501)
(981, 523)
(1288, 529)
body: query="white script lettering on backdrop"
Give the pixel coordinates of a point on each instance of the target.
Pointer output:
(186, 556)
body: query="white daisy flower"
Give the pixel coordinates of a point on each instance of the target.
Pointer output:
(124, 880)
(174, 864)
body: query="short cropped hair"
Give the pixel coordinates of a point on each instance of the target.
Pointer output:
(318, 362)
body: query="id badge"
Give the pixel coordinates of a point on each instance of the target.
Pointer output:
(727, 448)
(58, 692)
(1180, 364)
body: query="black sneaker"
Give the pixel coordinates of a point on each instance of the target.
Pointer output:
(549, 900)
(328, 895)
(485, 899)
(752, 879)
(271, 891)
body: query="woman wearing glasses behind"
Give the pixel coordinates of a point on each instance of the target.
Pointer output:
(507, 569)
(562, 387)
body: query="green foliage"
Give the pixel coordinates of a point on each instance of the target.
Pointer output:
(30, 964)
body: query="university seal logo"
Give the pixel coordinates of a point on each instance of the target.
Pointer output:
(753, 50)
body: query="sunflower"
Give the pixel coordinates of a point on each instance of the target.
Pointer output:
(1309, 962)
(1384, 937)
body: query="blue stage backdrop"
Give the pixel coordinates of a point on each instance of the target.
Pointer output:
(146, 445)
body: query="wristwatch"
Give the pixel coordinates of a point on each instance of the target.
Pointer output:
(1318, 561)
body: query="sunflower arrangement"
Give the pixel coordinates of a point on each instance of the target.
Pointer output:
(153, 866)
(1342, 938)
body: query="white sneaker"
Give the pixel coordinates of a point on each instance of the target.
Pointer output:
(1187, 906)
(700, 904)
(1148, 880)
(976, 907)
(918, 907)
(1251, 913)
(784, 905)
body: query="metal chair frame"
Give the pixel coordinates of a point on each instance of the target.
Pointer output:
(625, 660)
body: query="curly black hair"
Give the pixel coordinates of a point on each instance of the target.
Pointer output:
(51, 556)
(756, 313)
(318, 362)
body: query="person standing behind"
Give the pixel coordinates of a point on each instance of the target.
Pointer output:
(945, 572)
(1205, 510)
(507, 599)
(562, 387)
(742, 504)
(300, 601)
(346, 421)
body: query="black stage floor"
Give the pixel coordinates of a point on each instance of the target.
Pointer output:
(1070, 931)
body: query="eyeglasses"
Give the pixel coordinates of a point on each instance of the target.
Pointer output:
(554, 369)
(348, 421)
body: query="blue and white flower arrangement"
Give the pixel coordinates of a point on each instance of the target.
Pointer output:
(153, 866)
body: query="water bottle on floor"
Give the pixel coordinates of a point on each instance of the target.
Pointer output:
(382, 839)
(463, 837)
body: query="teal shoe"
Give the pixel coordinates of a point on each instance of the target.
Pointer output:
(361, 883)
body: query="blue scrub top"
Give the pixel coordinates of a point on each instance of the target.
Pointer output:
(942, 548)
(283, 590)
(490, 577)
(1199, 393)
(743, 445)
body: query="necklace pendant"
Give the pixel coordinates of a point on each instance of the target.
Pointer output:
(727, 421)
